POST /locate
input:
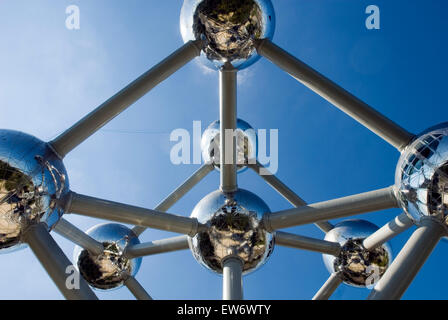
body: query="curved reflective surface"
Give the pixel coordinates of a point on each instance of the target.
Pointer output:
(110, 269)
(246, 144)
(229, 28)
(234, 229)
(358, 266)
(32, 180)
(421, 178)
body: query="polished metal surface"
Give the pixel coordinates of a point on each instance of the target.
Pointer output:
(32, 180)
(110, 269)
(233, 229)
(246, 144)
(229, 28)
(422, 175)
(356, 265)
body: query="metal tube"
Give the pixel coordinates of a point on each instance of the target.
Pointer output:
(87, 126)
(56, 263)
(108, 210)
(299, 242)
(329, 287)
(393, 228)
(342, 99)
(409, 261)
(228, 106)
(72, 233)
(155, 247)
(287, 193)
(177, 194)
(136, 289)
(232, 273)
(332, 209)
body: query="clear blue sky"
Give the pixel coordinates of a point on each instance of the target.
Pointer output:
(50, 77)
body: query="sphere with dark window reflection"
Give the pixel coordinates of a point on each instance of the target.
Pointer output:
(421, 177)
(229, 28)
(357, 266)
(110, 269)
(234, 229)
(246, 144)
(32, 181)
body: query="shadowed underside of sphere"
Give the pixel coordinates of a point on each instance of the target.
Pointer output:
(357, 266)
(422, 175)
(234, 230)
(110, 269)
(32, 180)
(229, 28)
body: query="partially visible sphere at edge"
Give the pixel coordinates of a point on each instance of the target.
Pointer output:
(32, 181)
(110, 269)
(234, 230)
(246, 144)
(421, 177)
(358, 266)
(229, 28)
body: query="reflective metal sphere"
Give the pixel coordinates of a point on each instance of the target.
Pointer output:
(110, 269)
(246, 144)
(358, 266)
(32, 180)
(421, 178)
(234, 229)
(229, 28)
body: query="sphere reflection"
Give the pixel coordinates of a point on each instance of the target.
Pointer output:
(422, 175)
(110, 269)
(32, 180)
(358, 266)
(228, 28)
(233, 229)
(246, 144)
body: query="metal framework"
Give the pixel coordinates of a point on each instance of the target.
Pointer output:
(392, 285)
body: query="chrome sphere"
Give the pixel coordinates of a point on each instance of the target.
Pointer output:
(110, 269)
(233, 230)
(32, 180)
(358, 266)
(421, 177)
(229, 28)
(246, 144)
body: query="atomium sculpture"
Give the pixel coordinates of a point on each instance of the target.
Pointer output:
(231, 231)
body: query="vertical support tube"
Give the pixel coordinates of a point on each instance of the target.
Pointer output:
(55, 262)
(136, 289)
(228, 109)
(232, 273)
(329, 287)
(409, 261)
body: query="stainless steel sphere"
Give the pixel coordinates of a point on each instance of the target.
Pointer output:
(32, 180)
(358, 266)
(233, 230)
(421, 177)
(246, 144)
(110, 269)
(229, 28)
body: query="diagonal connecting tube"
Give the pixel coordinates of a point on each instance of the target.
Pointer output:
(300, 242)
(91, 123)
(56, 263)
(108, 210)
(330, 91)
(156, 247)
(286, 192)
(177, 194)
(332, 209)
